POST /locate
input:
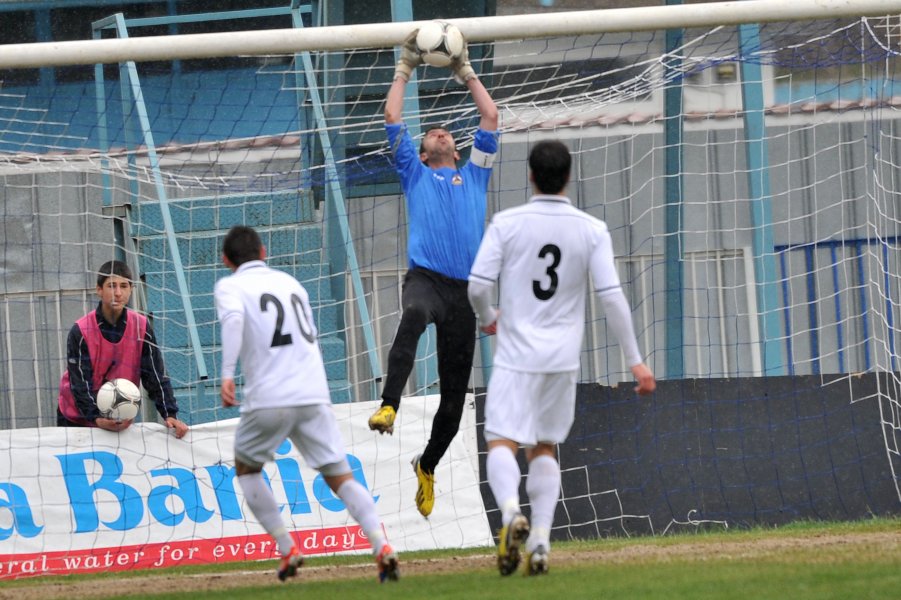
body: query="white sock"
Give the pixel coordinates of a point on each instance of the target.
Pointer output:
(543, 488)
(503, 478)
(264, 507)
(361, 507)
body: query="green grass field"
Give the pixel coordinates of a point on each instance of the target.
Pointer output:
(802, 561)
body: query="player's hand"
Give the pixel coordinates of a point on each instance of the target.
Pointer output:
(227, 393)
(645, 378)
(491, 328)
(181, 428)
(409, 57)
(112, 425)
(461, 67)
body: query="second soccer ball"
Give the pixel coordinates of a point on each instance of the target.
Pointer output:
(119, 400)
(439, 43)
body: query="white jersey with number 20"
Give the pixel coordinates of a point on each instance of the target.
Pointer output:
(280, 357)
(541, 253)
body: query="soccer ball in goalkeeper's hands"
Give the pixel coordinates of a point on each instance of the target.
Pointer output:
(439, 43)
(119, 400)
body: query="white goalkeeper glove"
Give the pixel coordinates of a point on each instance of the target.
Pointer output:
(461, 66)
(409, 57)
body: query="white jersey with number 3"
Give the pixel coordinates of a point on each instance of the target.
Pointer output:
(280, 357)
(541, 253)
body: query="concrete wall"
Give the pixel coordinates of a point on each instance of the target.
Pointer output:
(713, 454)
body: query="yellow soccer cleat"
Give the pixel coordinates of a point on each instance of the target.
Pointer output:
(425, 493)
(382, 420)
(510, 539)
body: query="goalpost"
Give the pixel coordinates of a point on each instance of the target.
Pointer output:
(743, 154)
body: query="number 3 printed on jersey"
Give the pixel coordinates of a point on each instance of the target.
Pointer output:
(279, 337)
(545, 293)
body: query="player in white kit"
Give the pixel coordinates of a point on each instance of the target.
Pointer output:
(268, 324)
(542, 254)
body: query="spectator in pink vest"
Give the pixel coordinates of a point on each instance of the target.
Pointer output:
(109, 343)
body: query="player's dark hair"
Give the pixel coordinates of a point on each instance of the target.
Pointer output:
(550, 163)
(242, 244)
(110, 268)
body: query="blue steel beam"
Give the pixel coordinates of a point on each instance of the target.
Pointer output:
(674, 190)
(147, 133)
(102, 127)
(761, 210)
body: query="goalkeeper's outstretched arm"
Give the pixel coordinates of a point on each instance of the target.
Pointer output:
(484, 103)
(394, 101)
(465, 74)
(403, 70)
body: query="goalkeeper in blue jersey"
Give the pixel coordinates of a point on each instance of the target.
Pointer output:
(446, 207)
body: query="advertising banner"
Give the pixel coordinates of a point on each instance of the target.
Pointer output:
(77, 500)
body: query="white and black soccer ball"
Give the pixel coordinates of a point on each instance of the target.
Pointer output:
(119, 400)
(439, 43)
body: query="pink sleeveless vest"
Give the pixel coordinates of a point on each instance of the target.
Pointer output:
(109, 360)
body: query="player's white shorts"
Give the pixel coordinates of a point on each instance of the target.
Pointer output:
(312, 428)
(530, 407)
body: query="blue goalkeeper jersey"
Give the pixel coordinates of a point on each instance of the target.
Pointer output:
(446, 207)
